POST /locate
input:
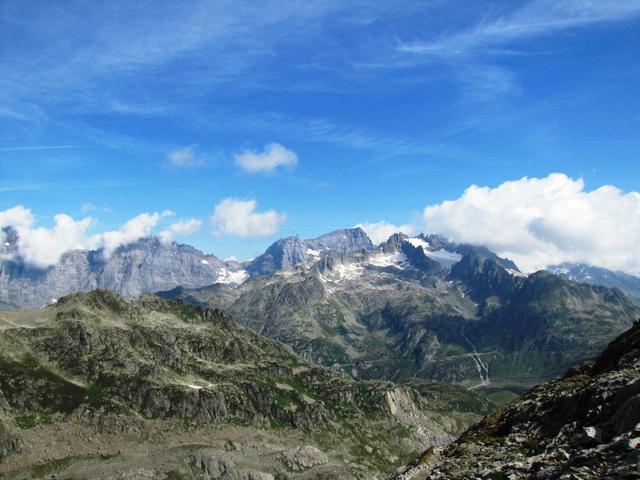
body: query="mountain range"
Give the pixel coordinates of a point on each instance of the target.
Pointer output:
(321, 358)
(424, 307)
(419, 307)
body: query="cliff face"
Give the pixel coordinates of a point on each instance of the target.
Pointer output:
(584, 425)
(147, 265)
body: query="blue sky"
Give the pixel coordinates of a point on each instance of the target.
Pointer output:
(112, 109)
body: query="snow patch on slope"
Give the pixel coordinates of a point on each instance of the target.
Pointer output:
(443, 255)
(231, 278)
(398, 260)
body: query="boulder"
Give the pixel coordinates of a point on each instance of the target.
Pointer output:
(303, 458)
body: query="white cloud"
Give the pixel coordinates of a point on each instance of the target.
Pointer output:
(273, 156)
(185, 158)
(41, 246)
(232, 216)
(379, 232)
(543, 221)
(180, 229)
(136, 228)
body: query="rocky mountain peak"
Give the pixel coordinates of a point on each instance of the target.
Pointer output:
(289, 252)
(394, 243)
(342, 241)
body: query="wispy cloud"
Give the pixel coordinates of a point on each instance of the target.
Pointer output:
(185, 158)
(472, 53)
(538, 17)
(37, 147)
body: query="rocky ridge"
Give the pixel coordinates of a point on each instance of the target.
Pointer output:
(580, 272)
(166, 375)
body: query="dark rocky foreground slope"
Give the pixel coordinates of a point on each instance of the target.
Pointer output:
(585, 425)
(100, 387)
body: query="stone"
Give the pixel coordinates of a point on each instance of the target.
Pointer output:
(303, 458)
(589, 436)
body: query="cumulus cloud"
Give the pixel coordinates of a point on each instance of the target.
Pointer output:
(185, 158)
(378, 232)
(136, 228)
(232, 216)
(542, 221)
(273, 156)
(180, 229)
(43, 247)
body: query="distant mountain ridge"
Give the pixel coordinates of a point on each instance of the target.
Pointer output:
(150, 265)
(580, 272)
(139, 267)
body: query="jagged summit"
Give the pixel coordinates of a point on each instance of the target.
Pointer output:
(289, 252)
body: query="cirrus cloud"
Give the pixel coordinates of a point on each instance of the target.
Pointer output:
(378, 232)
(233, 216)
(273, 156)
(543, 221)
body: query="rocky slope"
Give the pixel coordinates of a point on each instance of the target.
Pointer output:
(425, 307)
(100, 387)
(585, 425)
(579, 272)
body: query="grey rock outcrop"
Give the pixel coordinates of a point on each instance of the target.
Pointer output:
(303, 458)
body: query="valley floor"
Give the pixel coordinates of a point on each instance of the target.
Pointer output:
(170, 450)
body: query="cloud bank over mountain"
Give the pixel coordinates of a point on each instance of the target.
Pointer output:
(542, 221)
(534, 221)
(378, 232)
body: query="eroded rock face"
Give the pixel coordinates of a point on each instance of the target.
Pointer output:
(584, 425)
(209, 464)
(9, 441)
(146, 265)
(303, 458)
